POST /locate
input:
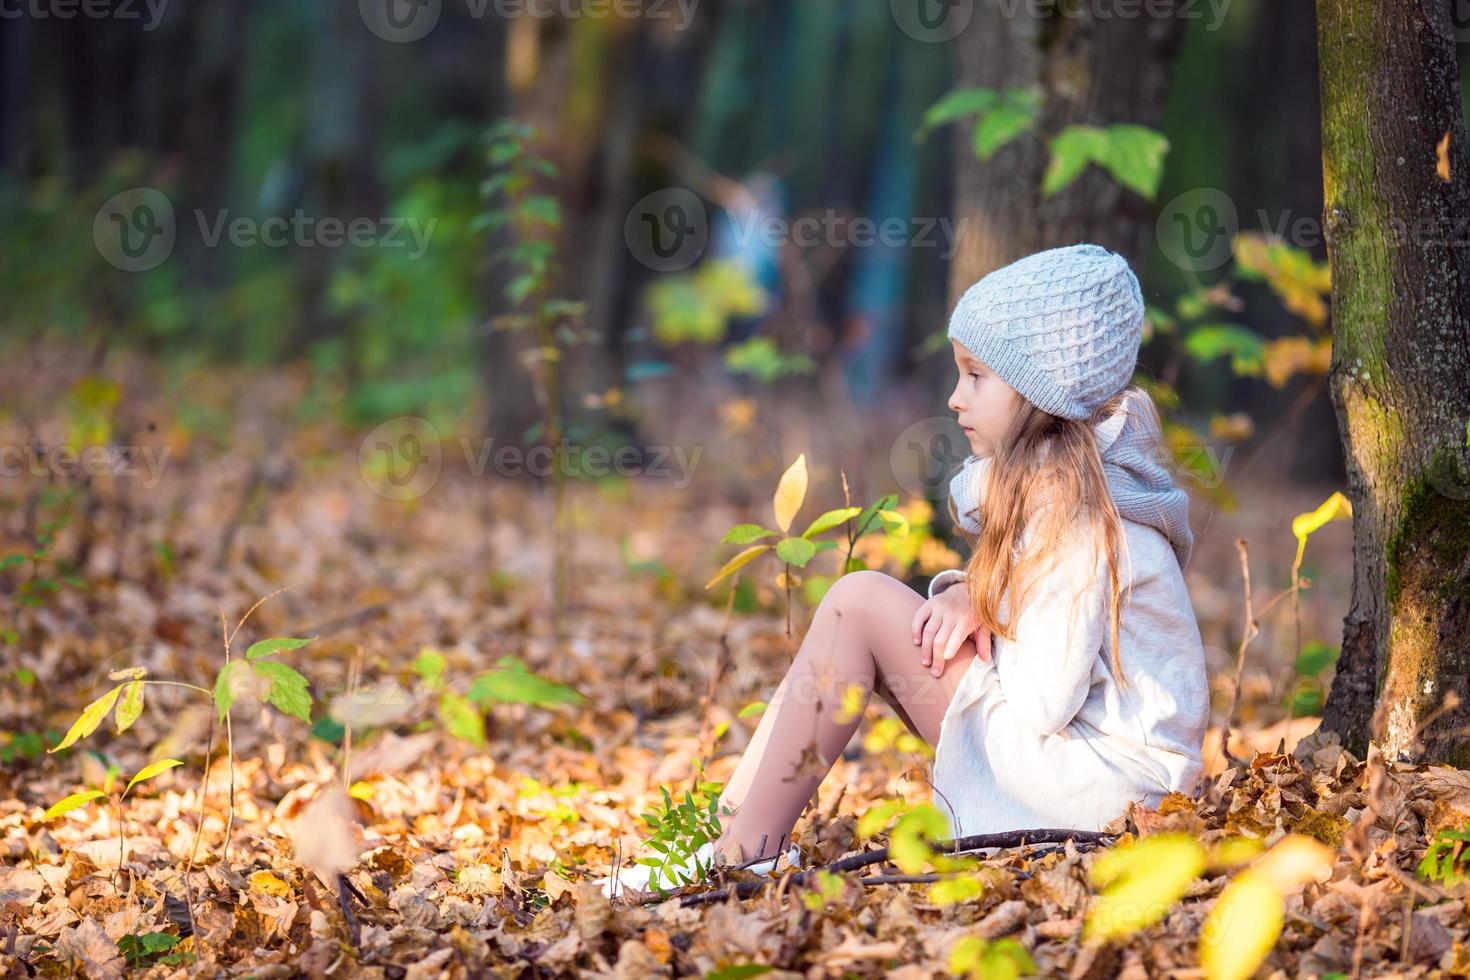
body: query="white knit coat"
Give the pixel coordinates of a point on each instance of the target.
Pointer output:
(1042, 735)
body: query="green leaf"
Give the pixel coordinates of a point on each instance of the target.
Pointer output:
(1246, 349)
(830, 520)
(461, 718)
(894, 523)
(738, 562)
(151, 770)
(954, 105)
(1071, 151)
(516, 685)
(796, 551)
(266, 648)
(91, 717)
(1016, 114)
(288, 688)
(430, 665)
(73, 802)
(1135, 157)
(129, 706)
(746, 533)
(234, 678)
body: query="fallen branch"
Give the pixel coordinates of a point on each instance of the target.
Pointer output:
(974, 842)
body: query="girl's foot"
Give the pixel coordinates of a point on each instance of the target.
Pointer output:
(639, 877)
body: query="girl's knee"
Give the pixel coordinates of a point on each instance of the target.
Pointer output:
(856, 591)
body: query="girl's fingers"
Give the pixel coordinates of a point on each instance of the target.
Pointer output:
(956, 640)
(982, 643)
(926, 642)
(941, 641)
(926, 608)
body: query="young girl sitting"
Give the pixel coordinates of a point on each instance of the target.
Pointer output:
(1075, 524)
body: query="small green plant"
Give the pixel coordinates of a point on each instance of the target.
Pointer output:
(1132, 155)
(508, 682)
(679, 830)
(800, 549)
(270, 680)
(991, 959)
(145, 949)
(533, 220)
(696, 307)
(41, 573)
(78, 800)
(1446, 860)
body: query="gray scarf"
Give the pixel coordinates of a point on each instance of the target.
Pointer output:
(1142, 489)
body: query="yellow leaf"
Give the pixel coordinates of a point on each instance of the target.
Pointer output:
(1289, 356)
(738, 562)
(1140, 882)
(72, 802)
(269, 884)
(790, 493)
(1443, 153)
(1246, 921)
(92, 716)
(361, 790)
(1295, 860)
(1241, 929)
(151, 770)
(854, 699)
(1334, 508)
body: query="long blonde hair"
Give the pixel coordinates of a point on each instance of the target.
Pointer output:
(1046, 477)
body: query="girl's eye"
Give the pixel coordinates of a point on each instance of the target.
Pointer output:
(974, 374)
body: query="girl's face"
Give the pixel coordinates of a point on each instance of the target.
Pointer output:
(983, 402)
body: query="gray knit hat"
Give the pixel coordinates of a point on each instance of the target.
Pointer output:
(1062, 326)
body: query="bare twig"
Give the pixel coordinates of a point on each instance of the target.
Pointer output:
(852, 862)
(1248, 634)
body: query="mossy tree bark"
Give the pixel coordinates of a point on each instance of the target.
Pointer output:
(1396, 202)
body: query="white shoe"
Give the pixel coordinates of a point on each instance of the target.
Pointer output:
(636, 877)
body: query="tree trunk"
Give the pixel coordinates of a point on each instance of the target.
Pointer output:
(1095, 69)
(1400, 374)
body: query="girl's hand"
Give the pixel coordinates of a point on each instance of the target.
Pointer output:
(943, 623)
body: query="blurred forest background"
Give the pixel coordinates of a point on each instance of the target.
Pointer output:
(263, 347)
(558, 317)
(265, 258)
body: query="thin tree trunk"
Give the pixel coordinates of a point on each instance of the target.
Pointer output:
(1094, 69)
(1400, 379)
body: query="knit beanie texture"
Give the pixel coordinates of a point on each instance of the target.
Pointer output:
(1061, 326)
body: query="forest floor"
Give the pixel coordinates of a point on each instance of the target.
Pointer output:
(475, 824)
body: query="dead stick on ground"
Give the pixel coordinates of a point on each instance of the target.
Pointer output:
(852, 862)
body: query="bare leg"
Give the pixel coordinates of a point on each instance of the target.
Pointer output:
(859, 637)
